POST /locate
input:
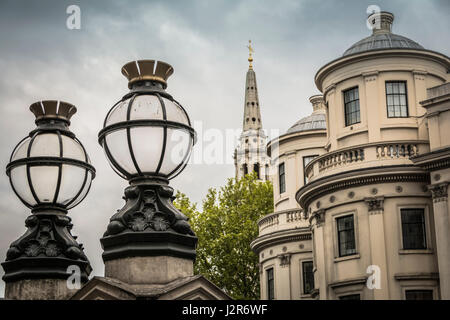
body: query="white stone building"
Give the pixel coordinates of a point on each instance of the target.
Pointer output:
(361, 204)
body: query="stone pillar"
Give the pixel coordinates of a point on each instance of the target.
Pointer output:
(378, 244)
(317, 221)
(372, 105)
(442, 227)
(283, 278)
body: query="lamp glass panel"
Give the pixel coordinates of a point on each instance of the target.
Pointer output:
(118, 146)
(111, 164)
(71, 183)
(119, 113)
(21, 150)
(45, 145)
(44, 180)
(177, 146)
(146, 107)
(84, 192)
(72, 149)
(20, 183)
(147, 145)
(175, 112)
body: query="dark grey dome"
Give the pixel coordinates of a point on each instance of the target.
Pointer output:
(315, 121)
(379, 41)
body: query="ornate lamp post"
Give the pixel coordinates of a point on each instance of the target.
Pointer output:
(50, 172)
(147, 138)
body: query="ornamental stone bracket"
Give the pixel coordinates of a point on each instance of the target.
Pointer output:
(319, 217)
(375, 204)
(370, 76)
(439, 191)
(285, 259)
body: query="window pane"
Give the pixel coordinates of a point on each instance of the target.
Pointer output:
(396, 100)
(351, 106)
(413, 229)
(388, 88)
(350, 297)
(419, 294)
(346, 236)
(308, 277)
(270, 284)
(282, 178)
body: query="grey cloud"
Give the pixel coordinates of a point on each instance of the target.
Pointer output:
(205, 42)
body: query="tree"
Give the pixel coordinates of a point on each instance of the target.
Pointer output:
(225, 228)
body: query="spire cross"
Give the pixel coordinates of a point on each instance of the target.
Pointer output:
(250, 51)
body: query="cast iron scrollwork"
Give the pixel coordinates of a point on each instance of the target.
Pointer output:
(148, 208)
(47, 236)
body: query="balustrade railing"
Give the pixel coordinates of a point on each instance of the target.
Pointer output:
(362, 155)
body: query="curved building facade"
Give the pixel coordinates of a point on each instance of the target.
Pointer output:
(379, 228)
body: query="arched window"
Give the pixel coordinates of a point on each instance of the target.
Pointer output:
(256, 169)
(245, 168)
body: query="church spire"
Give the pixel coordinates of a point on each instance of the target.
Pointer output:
(252, 113)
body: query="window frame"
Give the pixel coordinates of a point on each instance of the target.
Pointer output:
(347, 295)
(304, 165)
(280, 175)
(256, 169)
(346, 120)
(392, 94)
(338, 232)
(269, 288)
(302, 264)
(406, 291)
(424, 228)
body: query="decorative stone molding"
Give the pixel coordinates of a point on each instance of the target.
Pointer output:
(375, 204)
(319, 216)
(370, 76)
(419, 74)
(285, 259)
(309, 193)
(439, 192)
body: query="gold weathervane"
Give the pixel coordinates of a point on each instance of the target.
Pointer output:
(250, 51)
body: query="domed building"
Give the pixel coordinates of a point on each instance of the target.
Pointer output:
(284, 243)
(373, 196)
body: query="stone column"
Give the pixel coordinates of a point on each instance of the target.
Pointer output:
(442, 227)
(372, 105)
(282, 280)
(317, 221)
(378, 244)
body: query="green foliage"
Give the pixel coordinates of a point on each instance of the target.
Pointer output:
(225, 228)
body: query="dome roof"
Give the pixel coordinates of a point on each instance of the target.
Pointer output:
(382, 41)
(315, 121)
(382, 36)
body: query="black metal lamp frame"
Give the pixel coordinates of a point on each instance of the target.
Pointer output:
(148, 223)
(47, 248)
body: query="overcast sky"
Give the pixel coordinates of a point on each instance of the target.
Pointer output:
(205, 41)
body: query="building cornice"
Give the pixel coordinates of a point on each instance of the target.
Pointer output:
(280, 237)
(382, 174)
(434, 160)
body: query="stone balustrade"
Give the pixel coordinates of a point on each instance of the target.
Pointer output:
(365, 156)
(282, 220)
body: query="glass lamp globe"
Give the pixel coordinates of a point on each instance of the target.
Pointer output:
(147, 133)
(50, 169)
